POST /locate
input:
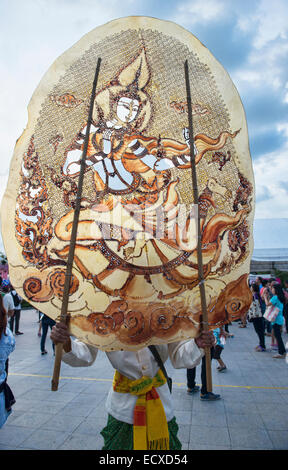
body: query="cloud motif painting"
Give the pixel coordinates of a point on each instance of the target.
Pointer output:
(135, 274)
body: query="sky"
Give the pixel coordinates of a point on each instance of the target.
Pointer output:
(248, 37)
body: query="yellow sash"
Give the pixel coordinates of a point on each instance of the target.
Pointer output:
(150, 428)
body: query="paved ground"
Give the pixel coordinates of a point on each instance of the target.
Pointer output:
(252, 413)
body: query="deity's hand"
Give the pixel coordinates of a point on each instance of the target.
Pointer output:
(107, 134)
(107, 145)
(186, 135)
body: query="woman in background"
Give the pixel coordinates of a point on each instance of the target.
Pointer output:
(258, 321)
(278, 300)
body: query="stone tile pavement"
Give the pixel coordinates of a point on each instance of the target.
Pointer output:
(252, 414)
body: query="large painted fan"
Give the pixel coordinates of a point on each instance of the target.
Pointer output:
(134, 279)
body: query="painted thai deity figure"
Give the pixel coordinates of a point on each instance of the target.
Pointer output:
(134, 187)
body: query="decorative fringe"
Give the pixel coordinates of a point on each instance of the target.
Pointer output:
(159, 444)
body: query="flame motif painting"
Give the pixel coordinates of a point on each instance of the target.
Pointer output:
(135, 274)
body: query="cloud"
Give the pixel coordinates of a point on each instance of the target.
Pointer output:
(266, 64)
(267, 18)
(284, 185)
(264, 68)
(271, 181)
(270, 21)
(263, 194)
(259, 27)
(262, 78)
(283, 127)
(191, 12)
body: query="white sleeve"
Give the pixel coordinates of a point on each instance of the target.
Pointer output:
(163, 164)
(81, 355)
(7, 303)
(185, 354)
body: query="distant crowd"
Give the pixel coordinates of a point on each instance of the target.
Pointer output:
(269, 313)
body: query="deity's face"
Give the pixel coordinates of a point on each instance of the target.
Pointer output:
(127, 109)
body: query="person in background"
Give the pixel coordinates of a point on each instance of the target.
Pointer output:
(228, 334)
(7, 345)
(264, 281)
(17, 312)
(278, 300)
(220, 336)
(285, 291)
(266, 296)
(191, 380)
(263, 292)
(258, 322)
(259, 282)
(12, 305)
(270, 283)
(45, 323)
(243, 323)
(8, 303)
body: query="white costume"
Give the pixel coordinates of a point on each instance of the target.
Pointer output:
(183, 354)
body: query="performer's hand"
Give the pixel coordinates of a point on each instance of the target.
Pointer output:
(205, 340)
(60, 334)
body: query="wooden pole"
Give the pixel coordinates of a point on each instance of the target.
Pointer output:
(64, 317)
(204, 322)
